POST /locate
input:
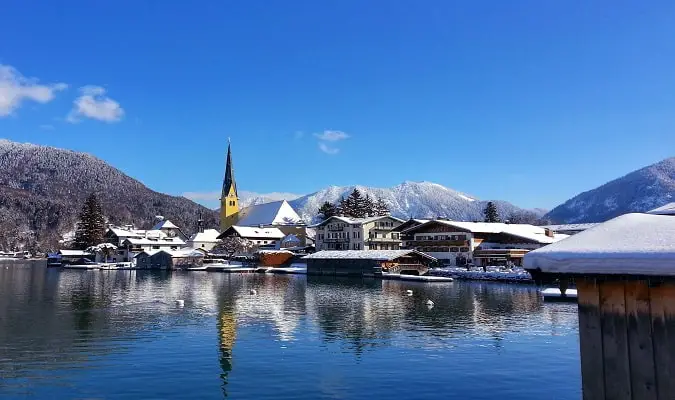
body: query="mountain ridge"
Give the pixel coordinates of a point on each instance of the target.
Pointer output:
(42, 189)
(638, 191)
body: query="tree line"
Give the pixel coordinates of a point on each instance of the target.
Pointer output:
(491, 214)
(356, 205)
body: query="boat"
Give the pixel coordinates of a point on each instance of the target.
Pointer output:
(54, 260)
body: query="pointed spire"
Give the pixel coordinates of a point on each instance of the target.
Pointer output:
(229, 182)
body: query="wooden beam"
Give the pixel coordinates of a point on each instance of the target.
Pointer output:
(662, 305)
(615, 340)
(641, 352)
(590, 340)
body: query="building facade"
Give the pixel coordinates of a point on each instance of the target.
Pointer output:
(373, 233)
(459, 243)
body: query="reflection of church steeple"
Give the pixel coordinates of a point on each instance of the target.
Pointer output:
(227, 330)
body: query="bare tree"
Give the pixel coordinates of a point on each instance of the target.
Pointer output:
(232, 245)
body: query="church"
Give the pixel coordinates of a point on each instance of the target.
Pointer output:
(277, 214)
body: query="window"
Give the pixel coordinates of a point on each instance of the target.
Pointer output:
(454, 249)
(202, 245)
(395, 236)
(174, 247)
(155, 247)
(464, 249)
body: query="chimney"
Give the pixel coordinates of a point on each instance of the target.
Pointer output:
(548, 232)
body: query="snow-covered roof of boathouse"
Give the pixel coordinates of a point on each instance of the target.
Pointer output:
(632, 244)
(379, 255)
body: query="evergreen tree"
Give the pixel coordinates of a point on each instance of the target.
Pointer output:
(359, 208)
(381, 208)
(91, 224)
(491, 213)
(371, 211)
(344, 208)
(328, 210)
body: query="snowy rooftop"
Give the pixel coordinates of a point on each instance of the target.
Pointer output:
(524, 231)
(164, 241)
(632, 244)
(275, 213)
(74, 253)
(123, 233)
(209, 235)
(357, 221)
(249, 232)
(173, 253)
(164, 224)
(380, 255)
(570, 227)
(668, 209)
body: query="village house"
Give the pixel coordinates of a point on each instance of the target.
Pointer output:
(259, 238)
(373, 233)
(169, 259)
(479, 243)
(368, 263)
(570, 229)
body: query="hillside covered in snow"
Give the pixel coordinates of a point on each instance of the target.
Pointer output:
(410, 199)
(42, 190)
(641, 190)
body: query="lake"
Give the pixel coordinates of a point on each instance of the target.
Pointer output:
(120, 335)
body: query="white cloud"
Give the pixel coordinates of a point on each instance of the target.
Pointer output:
(16, 88)
(47, 127)
(328, 149)
(202, 196)
(94, 104)
(331, 136)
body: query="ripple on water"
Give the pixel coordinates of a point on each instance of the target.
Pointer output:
(118, 334)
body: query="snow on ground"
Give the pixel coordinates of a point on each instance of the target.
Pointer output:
(515, 274)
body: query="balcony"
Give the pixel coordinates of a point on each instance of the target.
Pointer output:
(382, 228)
(435, 243)
(336, 228)
(336, 240)
(382, 240)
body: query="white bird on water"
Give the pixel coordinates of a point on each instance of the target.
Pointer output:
(430, 303)
(409, 292)
(180, 303)
(253, 292)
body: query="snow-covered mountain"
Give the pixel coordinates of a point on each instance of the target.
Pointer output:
(409, 199)
(252, 198)
(639, 191)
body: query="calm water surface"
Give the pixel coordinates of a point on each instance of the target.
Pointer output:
(119, 335)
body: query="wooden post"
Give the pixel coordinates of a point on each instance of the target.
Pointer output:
(590, 340)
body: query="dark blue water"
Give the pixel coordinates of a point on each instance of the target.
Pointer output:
(119, 335)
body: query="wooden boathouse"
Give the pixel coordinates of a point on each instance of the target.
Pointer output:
(624, 271)
(368, 263)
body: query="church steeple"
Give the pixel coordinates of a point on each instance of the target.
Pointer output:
(229, 200)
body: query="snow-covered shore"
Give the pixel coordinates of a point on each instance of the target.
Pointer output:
(515, 274)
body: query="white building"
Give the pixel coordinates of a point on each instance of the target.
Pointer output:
(372, 233)
(260, 238)
(206, 240)
(480, 243)
(169, 229)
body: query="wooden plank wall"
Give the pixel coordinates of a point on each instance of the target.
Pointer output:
(627, 339)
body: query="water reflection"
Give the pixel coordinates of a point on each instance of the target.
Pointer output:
(63, 321)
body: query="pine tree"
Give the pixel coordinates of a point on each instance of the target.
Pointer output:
(381, 208)
(327, 210)
(344, 208)
(359, 208)
(371, 210)
(91, 224)
(491, 213)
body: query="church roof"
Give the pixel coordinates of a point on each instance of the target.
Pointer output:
(229, 181)
(274, 213)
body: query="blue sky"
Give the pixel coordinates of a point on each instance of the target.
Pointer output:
(526, 101)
